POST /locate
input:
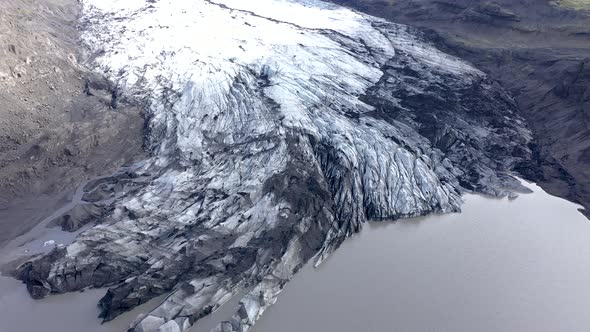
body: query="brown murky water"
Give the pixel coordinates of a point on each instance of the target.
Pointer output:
(75, 312)
(521, 265)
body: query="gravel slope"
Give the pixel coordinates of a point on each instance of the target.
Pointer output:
(57, 124)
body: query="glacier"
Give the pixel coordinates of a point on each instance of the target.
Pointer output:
(276, 129)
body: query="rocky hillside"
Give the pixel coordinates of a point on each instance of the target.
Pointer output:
(57, 123)
(276, 129)
(540, 52)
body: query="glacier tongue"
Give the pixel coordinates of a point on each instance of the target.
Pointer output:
(276, 128)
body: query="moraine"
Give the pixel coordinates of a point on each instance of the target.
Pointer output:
(276, 129)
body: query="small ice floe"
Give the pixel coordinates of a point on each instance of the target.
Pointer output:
(48, 243)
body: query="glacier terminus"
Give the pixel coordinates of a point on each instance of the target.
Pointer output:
(276, 129)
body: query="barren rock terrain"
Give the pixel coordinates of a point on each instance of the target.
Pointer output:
(57, 121)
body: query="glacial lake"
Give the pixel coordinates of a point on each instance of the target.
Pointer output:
(521, 265)
(501, 265)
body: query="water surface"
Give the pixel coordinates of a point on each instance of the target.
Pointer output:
(501, 265)
(73, 312)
